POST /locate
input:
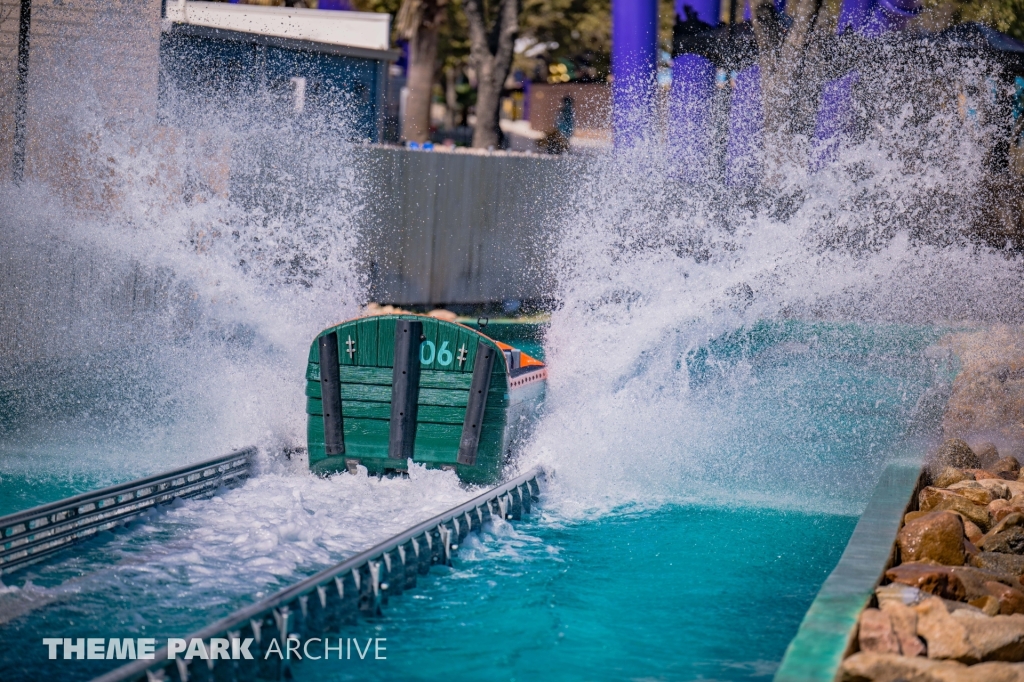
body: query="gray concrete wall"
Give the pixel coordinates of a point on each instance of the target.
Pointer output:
(459, 228)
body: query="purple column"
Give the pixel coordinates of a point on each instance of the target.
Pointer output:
(634, 66)
(835, 119)
(746, 129)
(689, 114)
(870, 18)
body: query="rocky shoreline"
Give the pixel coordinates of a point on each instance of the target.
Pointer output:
(951, 607)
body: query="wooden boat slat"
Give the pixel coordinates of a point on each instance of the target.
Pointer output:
(434, 442)
(382, 394)
(436, 414)
(366, 345)
(381, 376)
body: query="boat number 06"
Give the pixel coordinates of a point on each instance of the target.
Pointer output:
(428, 351)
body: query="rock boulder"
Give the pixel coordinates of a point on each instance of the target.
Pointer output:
(951, 475)
(955, 453)
(937, 499)
(1010, 600)
(987, 454)
(1005, 564)
(875, 633)
(904, 626)
(1007, 464)
(940, 581)
(968, 635)
(1009, 541)
(868, 667)
(935, 536)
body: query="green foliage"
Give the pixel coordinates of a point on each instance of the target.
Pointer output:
(1003, 15)
(389, 6)
(583, 31)
(453, 40)
(581, 28)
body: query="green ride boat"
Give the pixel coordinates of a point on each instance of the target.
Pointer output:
(384, 389)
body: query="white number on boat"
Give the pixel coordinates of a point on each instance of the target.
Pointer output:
(444, 356)
(424, 360)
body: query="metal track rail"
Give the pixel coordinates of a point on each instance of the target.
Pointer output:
(32, 535)
(324, 602)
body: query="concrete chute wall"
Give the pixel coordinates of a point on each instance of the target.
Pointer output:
(459, 228)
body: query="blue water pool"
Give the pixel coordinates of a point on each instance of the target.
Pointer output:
(680, 593)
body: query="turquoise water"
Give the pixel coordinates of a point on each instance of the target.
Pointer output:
(681, 593)
(708, 582)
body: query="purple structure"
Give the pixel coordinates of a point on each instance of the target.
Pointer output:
(689, 113)
(872, 18)
(634, 67)
(334, 4)
(835, 118)
(693, 87)
(853, 15)
(746, 129)
(892, 15)
(708, 11)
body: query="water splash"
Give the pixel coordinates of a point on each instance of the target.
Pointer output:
(159, 308)
(657, 277)
(164, 299)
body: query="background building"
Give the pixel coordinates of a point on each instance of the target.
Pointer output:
(300, 60)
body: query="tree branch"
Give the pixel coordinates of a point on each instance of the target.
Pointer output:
(509, 28)
(477, 28)
(796, 38)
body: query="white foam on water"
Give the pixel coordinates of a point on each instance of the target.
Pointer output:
(279, 526)
(243, 543)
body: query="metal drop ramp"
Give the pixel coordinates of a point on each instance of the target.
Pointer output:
(34, 534)
(338, 595)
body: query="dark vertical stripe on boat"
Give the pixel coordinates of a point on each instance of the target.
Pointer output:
(470, 442)
(330, 393)
(405, 388)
